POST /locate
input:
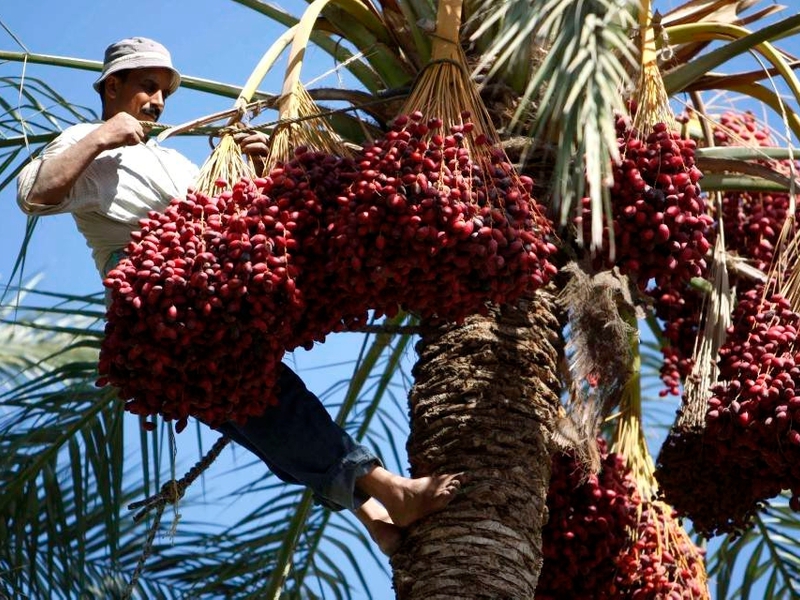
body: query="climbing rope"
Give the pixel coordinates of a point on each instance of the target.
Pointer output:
(170, 493)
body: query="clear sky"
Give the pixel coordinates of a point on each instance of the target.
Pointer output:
(212, 39)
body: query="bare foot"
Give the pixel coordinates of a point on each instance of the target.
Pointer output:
(408, 500)
(379, 524)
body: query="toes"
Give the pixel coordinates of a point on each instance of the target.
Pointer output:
(455, 482)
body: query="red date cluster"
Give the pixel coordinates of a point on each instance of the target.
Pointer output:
(602, 540)
(588, 527)
(748, 450)
(661, 228)
(703, 480)
(663, 562)
(436, 228)
(214, 290)
(199, 308)
(752, 223)
(754, 410)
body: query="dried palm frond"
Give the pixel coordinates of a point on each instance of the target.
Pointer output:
(717, 318)
(599, 310)
(785, 269)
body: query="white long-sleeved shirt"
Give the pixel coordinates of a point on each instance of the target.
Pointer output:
(117, 189)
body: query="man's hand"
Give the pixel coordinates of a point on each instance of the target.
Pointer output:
(255, 145)
(120, 130)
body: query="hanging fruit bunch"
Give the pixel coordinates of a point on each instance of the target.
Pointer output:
(661, 228)
(199, 309)
(679, 312)
(695, 470)
(745, 453)
(660, 223)
(663, 562)
(437, 217)
(439, 224)
(664, 235)
(310, 168)
(752, 410)
(747, 441)
(590, 516)
(660, 560)
(752, 222)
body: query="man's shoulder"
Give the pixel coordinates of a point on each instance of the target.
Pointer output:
(68, 137)
(75, 132)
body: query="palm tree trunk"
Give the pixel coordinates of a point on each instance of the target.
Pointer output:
(483, 402)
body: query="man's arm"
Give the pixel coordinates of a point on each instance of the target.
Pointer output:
(58, 174)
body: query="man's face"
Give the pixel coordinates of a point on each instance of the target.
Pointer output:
(141, 93)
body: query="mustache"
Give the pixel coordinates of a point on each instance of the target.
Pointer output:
(151, 111)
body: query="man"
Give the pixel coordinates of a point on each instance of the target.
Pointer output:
(108, 176)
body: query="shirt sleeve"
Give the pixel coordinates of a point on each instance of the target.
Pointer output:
(25, 181)
(83, 191)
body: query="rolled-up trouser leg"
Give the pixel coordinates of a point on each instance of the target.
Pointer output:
(300, 443)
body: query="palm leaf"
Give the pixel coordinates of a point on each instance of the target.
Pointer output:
(765, 560)
(62, 448)
(710, 11)
(682, 77)
(585, 69)
(364, 27)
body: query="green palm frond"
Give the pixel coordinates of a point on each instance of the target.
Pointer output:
(682, 77)
(285, 545)
(31, 114)
(573, 94)
(764, 562)
(356, 35)
(732, 12)
(62, 454)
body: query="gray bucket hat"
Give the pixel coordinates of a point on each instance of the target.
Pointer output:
(137, 53)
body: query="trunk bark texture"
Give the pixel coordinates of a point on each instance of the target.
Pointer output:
(484, 402)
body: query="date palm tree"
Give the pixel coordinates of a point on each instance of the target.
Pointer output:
(486, 394)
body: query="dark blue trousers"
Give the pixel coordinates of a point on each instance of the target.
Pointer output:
(300, 443)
